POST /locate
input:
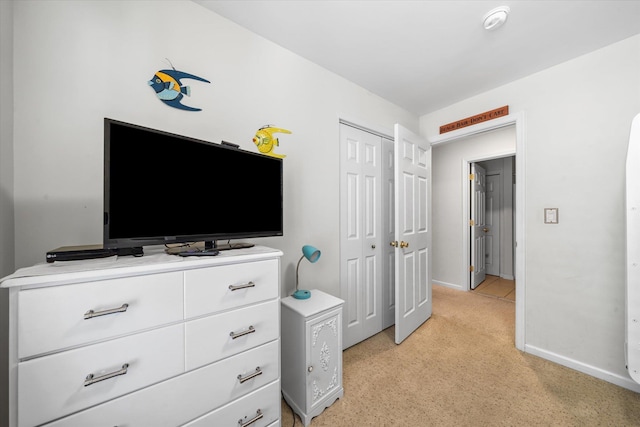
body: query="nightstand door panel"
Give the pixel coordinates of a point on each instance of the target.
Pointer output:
(324, 353)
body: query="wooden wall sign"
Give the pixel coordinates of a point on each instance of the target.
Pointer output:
(474, 120)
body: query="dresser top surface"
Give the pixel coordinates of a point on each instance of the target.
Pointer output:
(155, 260)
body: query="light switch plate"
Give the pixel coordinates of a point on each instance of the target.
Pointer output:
(551, 215)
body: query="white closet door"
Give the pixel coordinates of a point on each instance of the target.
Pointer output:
(360, 233)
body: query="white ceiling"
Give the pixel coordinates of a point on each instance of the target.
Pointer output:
(426, 55)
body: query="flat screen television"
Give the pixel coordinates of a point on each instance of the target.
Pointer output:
(162, 188)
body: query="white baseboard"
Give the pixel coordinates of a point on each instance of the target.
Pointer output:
(610, 377)
(448, 285)
(507, 277)
(619, 380)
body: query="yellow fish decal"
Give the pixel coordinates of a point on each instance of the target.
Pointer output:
(265, 141)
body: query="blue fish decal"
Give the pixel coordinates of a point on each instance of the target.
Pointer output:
(169, 88)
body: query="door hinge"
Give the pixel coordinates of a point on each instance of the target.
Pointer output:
(472, 223)
(471, 268)
(472, 176)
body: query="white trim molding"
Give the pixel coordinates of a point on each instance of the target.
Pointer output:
(616, 379)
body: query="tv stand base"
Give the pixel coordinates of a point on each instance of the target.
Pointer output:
(137, 251)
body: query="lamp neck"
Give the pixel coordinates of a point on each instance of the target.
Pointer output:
(297, 267)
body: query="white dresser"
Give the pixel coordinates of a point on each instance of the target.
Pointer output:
(311, 353)
(153, 341)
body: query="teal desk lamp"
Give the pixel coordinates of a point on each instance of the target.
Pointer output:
(313, 255)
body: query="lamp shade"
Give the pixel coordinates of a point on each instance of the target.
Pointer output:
(311, 253)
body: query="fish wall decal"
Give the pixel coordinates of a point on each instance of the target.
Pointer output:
(169, 88)
(265, 141)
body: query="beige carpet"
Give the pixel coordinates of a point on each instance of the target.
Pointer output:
(461, 369)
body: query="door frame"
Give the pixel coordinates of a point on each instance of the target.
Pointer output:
(517, 120)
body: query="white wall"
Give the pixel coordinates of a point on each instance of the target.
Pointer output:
(450, 169)
(6, 190)
(6, 138)
(577, 121)
(78, 62)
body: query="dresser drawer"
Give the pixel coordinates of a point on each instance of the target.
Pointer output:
(55, 318)
(262, 405)
(179, 400)
(56, 385)
(210, 290)
(237, 376)
(212, 338)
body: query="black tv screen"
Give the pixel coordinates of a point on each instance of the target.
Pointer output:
(162, 188)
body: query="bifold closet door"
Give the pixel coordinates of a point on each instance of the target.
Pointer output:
(360, 233)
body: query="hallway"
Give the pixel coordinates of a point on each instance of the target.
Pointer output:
(497, 287)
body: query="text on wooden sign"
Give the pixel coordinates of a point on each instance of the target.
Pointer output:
(474, 120)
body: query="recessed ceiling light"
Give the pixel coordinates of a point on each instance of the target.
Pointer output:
(496, 17)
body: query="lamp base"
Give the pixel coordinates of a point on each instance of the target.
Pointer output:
(301, 294)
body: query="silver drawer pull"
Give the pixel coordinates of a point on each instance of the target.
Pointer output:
(235, 335)
(252, 420)
(91, 314)
(92, 380)
(238, 287)
(257, 372)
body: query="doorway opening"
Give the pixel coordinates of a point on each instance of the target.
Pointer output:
(492, 243)
(516, 120)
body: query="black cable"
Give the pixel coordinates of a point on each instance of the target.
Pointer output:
(179, 245)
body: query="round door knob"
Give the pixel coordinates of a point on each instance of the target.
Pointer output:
(486, 230)
(310, 369)
(404, 244)
(394, 244)
(373, 246)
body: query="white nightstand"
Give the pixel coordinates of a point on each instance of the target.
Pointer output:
(311, 354)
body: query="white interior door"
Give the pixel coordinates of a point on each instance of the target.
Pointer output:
(360, 234)
(492, 224)
(412, 168)
(477, 178)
